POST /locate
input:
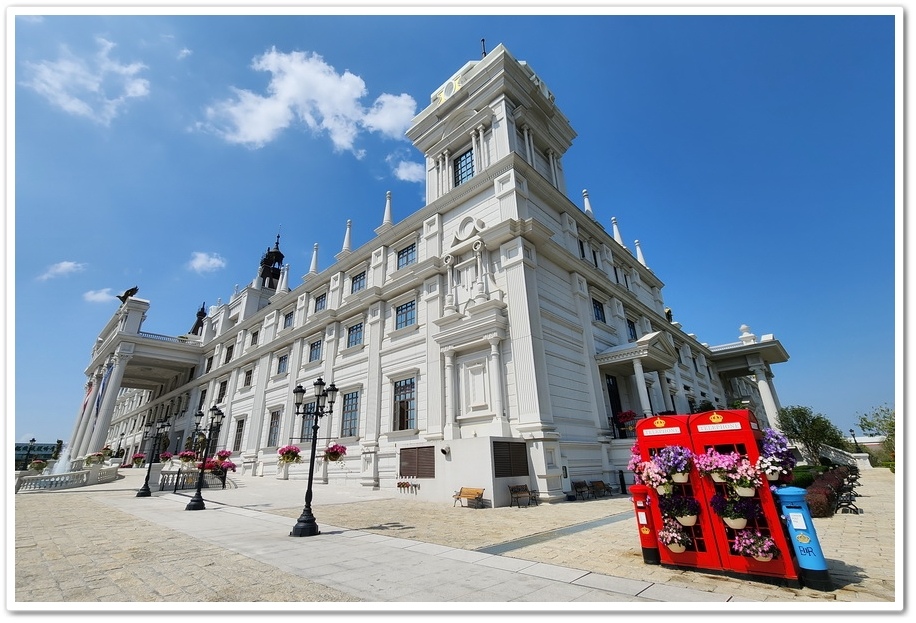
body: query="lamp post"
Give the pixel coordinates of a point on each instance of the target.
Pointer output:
(306, 525)
(216, 418)
(854, 440)
(120, 441)
(161, 427)
(28, 453)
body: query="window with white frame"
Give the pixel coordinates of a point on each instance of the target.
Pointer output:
(321, 301)
(228, 356)
(254, 338)
(355, 335)
(221, 394)
(407, 255)
(405, 315)
(315, 351)
(288, 319)
(282, 363)
(273, 430)
(631, 331)
(349, 426)
(598, 308)
(248, 376)
(464, 167)
(358, 282)
(237, 438)
(405, 404)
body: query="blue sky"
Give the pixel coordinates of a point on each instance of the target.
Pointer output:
(753, 157)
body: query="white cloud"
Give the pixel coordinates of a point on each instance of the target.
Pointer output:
(62, 269)
(97, 87)
(410, 171)
(184, 53)
(304, 87)
(98, 296)
(205, 262)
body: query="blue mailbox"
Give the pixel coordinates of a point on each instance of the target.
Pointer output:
(811, 561)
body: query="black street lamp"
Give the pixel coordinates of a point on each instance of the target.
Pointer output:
(307, 526)
(120, 440)
(161, 428)
(216, 418)
(854, 440)
(28, 453)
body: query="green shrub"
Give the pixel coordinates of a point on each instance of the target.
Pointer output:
(802, 478)
(818, 502)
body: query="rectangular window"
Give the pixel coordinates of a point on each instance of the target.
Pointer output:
(598, 306)
(405, 405)
(203, 399)
(288, 320)
(221, 395)
(273, 433)
(417, 462)
(581, 249)
(355, 335)
(321, 301)
(407, 255)
(631, 330)
(510, 459)
(254, 338)
(228, 356)
(315, 351)
(350, 419)
(595, 258)
(248, 375)
(464, 167)
(405, 315)
(308, 421)
(358, 282)
(282, 363)
(209, 364)
(237, 440)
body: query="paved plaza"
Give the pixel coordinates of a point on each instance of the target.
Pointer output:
(100, 548)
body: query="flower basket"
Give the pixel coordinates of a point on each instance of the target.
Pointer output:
(715, 464)
(687, 520)
(746, 492)
(674, 536)
(680, 477)
(754, 544)
(334, 452)
(289, 454)
(735, 511)
(137, 459)
(677, 548)
(744, 475)
(187, 456)
(776, 459)
(38, 465)
(735, 523)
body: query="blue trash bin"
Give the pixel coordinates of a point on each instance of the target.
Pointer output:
(811, 561)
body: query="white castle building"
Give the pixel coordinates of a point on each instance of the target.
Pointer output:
(489, 339)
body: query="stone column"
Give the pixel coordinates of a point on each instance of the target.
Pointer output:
(451, 429)
(766, 396)
(641, 388)
(109, 399)
(84, 420)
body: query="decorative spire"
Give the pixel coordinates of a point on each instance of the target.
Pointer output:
(346, 242)
(387, 220)
(314, 267)
(588, 204)
(639, 257)
(617, 236)
(284, 279)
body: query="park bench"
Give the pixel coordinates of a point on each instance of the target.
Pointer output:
(471, 495)
(517, 492)
(581, 489)
(599, 489)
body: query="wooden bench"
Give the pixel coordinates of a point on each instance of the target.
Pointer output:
(470, 494)
(581, 489)
(516, 492)
(598, 488)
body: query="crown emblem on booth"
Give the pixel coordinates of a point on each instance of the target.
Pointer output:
(716, 418)
(658, 422)
(645, 530)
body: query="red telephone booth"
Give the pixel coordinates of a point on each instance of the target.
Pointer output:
(654, 434)
(737, 431)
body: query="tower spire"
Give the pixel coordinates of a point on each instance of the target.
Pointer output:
(639, 257)
(588, 204)
(314, 267)
(617, 232)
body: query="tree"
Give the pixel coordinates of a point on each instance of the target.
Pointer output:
(881, 421)
(810, 431)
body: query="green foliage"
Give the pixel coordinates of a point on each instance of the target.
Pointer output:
(810, 431)
(881, 421)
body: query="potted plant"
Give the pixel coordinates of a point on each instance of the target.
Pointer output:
(165, 457)
(137, 459)
(744, 477)
(776, 459)
(681, 507)
(626, 420)
(715, 464)
(334, 452)
(653, 476)
(187, 456)
(675, 462)
(674, 536)
(222, 455)
(754, 543)
(95, 458)
(635, 464)
(735, 511)
(38, 465)
(289, 454)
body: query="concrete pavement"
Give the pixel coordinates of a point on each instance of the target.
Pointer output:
(100, 547)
